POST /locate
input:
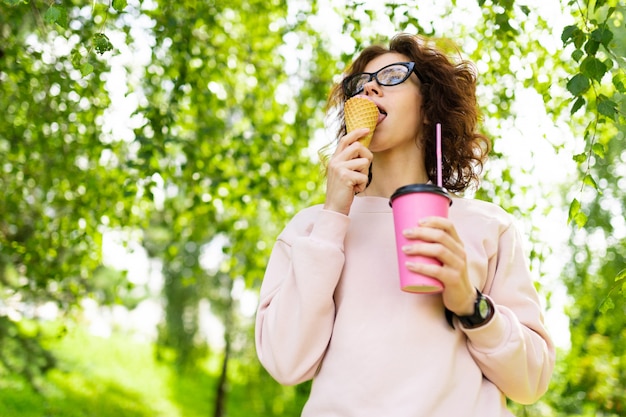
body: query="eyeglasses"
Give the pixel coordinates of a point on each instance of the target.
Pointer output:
(392, 74)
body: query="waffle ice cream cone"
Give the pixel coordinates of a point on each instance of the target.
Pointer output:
(361, 112)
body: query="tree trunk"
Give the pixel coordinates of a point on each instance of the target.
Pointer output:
(222, 384)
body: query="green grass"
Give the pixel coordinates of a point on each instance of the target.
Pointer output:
(118, 376)
(109, 377)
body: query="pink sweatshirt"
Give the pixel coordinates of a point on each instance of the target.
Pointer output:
(331, 309)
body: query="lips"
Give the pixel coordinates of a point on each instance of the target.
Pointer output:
(382, 114)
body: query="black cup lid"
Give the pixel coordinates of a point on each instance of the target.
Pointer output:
(419, 188)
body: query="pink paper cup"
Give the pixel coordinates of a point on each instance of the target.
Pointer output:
(410, 204)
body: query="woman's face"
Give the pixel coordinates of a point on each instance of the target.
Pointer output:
(400, 104)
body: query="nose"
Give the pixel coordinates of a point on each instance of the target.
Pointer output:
(371, 87)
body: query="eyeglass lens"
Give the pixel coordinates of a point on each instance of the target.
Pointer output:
(391, 75)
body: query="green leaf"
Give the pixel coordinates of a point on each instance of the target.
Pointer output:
(580, 219)
(607, 305)
(591, 182)
(580, 158)
(58, 15)
(76, 59)
(602, 35)
(598, 149)
(101, 43)
(578, 84)
(568, 33)
(610, 12)
(593, 68)
(599, 3)
(590, 131)
(86, 69)
(592, 46)
(607, 108)
(12, 3)
(574, 209)
(579, 38)
(525, 10)
(580, 101)
(577, 54)
(119, 5)
(619, 81)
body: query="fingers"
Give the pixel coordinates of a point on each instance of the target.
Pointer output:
(434, 229)
(351, 138)
(356, 164)
(436, 237)
(435, 222)
(350, 163)
(347, 172)
(350, 148)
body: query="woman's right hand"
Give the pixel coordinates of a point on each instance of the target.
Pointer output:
(348, 171)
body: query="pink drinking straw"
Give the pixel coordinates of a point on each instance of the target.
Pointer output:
(439, 154)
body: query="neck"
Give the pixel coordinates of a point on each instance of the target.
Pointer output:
(390, 173)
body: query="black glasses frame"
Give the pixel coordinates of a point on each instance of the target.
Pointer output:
(410, 66)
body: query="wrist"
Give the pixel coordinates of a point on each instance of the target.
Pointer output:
(468, 307)
(482, 312)
(340, 210)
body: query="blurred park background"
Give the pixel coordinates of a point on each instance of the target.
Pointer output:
(151, 151)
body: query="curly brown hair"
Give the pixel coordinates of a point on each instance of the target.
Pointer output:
(449, 97)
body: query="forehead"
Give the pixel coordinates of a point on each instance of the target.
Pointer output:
(384, 60)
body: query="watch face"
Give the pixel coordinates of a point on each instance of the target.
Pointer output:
(483, 311)
(483, 308)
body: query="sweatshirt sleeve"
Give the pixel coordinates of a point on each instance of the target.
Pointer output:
(296, 312)
(513, 350)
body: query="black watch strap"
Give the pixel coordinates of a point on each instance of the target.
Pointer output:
(483, 312)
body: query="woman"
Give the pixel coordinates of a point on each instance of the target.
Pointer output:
(331, 308)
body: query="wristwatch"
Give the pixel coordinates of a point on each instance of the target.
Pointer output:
(483, 312)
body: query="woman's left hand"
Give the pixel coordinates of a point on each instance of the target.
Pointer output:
(436, 237)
